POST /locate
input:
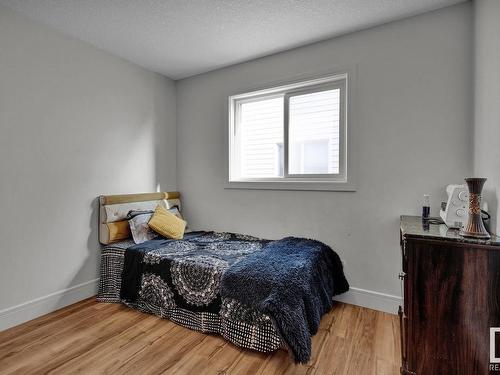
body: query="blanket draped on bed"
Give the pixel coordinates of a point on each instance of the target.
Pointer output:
(292, 280)
(183, 273)
(180, 280)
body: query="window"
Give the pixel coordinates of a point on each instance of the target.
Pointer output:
(292, 136)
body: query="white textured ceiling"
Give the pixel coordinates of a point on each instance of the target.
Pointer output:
(180, 38)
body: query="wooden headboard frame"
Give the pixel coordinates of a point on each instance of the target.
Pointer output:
(113, 209)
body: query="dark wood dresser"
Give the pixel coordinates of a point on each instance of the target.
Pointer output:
(451, 288)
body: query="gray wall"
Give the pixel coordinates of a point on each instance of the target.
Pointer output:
(487, 103)
(413, 125)
(75, 122)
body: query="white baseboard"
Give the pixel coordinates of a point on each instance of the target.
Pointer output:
(373, 300)
(24, 312)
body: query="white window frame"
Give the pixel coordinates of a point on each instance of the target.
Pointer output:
(343, 181)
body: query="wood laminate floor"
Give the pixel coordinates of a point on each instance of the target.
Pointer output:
(98, 338)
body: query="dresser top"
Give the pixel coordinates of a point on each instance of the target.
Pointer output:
(412, 227)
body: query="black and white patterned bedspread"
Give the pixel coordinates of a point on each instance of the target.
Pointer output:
(179, 280)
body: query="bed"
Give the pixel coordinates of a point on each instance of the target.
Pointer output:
(246, 289)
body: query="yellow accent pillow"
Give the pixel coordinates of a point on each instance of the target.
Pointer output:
(167, 224)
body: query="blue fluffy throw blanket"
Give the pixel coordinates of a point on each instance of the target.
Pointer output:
(293, 281)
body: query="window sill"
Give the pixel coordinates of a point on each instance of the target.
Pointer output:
(292, 185)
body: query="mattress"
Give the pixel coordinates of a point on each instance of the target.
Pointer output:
(237, 323)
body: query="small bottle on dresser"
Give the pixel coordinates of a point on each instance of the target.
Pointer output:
(426, 207)
(426, 212)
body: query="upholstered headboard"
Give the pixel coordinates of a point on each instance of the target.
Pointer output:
(114, 208)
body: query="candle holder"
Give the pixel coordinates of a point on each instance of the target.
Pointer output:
(475, 227)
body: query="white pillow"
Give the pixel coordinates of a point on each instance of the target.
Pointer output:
(140, 229)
